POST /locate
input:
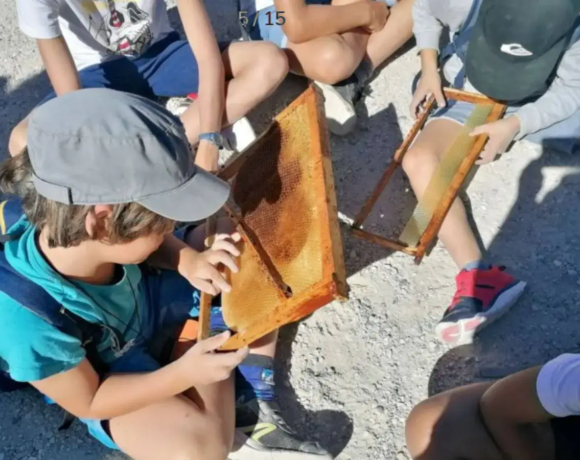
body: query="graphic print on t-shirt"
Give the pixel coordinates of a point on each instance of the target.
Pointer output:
(124, 28)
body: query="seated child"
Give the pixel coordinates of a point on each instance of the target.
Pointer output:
(529, 57)
(336, 43)
(130, 46)
(532, 415)
(104, 177)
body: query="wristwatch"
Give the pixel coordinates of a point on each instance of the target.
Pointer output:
(215, 138)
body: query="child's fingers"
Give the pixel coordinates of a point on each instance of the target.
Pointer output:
(222, 257)
(205, 286)
(440, 98)
(413, 108)
(478, 130)
(219, 282)
(228, 236)
(213, 343)
(232, 359)
(226, 246)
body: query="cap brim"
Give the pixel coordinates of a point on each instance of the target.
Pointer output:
(200, 197)
(507, 81)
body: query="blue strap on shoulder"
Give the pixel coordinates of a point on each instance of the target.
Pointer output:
(24, 291)
(460, 43)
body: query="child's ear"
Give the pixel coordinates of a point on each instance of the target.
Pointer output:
(97, 221)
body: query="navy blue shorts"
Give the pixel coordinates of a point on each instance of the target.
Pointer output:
(167, 69)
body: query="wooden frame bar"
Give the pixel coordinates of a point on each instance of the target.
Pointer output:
(430, 233)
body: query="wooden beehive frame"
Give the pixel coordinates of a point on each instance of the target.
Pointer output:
(429, 235)
(332, 286)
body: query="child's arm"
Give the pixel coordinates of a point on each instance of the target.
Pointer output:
(304, 22)
(211, 92)
(512, 412)
(427, 30)
(561, 101)
(59, 65)
(80, 392)
(39, 20)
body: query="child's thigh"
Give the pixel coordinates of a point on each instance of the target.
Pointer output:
(448, 426)
(175, 428)
(430, 146)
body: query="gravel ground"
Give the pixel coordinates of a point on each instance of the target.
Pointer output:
(350, 374)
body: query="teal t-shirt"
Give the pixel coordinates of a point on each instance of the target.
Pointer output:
(32, 349)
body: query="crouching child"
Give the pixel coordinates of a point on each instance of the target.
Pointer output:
(96, 282)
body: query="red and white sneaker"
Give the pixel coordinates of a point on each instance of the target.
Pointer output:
(482, 297)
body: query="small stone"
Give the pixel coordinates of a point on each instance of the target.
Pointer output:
(353, 254)
(557, 263)
(431, 346)
(535, 308)
(572, 272)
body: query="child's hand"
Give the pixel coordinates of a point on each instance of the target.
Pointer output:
(429, 84)
(379, 14)
(201, 366)
(501, 133)
(200, 268)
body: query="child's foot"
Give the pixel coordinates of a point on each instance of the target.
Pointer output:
(482, 296)
(339, 107)
(239, 136)
(340, 99)
(262, 434)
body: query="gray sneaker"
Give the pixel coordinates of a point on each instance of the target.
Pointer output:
(340, 99)
(262, 434)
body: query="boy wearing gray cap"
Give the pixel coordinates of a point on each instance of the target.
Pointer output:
(130, 46)
(94, 283)
(524, 53)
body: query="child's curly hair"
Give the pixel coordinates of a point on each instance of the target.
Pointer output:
(65, 223)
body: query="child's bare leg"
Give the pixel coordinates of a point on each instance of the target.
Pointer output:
(328, 59)
(448, 427)
(179, 428)
(253, 71)
(397, 31)
(255, 386)
(17, 140)
(419, 163)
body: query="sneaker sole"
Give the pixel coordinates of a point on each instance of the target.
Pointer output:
(463, 331)
(247, 449)
(335, 104)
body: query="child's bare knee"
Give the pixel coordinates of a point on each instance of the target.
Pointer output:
(335, 62)
(17, 140)
(271, 64)
(416, 160)
(420, 430)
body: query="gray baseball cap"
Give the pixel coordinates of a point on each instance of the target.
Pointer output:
(99, 146)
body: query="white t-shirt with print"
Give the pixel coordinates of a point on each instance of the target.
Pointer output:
(558, 386)
(96, 30)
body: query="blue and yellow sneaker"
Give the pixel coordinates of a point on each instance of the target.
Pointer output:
(261, 432)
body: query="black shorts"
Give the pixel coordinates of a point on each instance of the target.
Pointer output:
(567, 438)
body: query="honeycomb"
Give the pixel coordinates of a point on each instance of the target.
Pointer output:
(282, 195)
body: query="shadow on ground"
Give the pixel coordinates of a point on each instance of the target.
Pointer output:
(333, 429)
(539, 242)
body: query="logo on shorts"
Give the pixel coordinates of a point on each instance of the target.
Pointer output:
(515, 49)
